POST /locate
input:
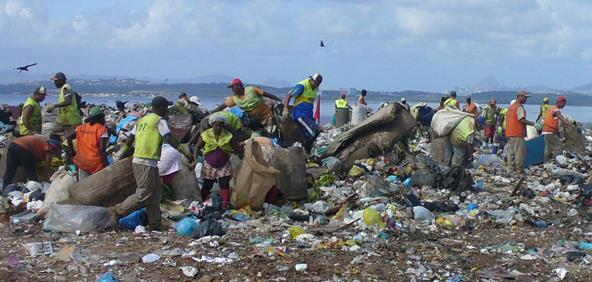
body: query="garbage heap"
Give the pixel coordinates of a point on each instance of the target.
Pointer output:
(375, 207)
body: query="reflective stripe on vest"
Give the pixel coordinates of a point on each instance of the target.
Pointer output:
(211, 144)
(341, 103)
(551, 122)
(514, 128)
(69, 115)
(309, 94)
(148, 139)
(34, 118)
(250, 100)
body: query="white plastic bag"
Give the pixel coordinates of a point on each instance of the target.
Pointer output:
(445, 120)
(58, 191)
(72, 218)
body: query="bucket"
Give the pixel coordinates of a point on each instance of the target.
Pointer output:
(341, 117)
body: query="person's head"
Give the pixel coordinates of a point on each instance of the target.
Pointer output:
(160, 105)
(468, 100)
(55, 144)
(453, 94)
(217, 121)
(194, 99)
(545, 100)
(120, 105)
(183, 96)
(59, 79)
(561, 102)
(315, 80)
(364, 92)
(237, 87)
(423, 104)
(403, 101)
(492, 102)
(522, 96)
(39, 94)
(442, 100)
(95, 115)
(343, 95)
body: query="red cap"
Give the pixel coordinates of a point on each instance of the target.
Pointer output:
(561, 99)
(234, 82)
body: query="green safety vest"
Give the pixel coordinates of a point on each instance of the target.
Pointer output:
(463, 130)
(69, 115)
(503, 113)
(341, 103)
(211, 144)
(148, 139)
(450, 102)
(233, 120)
(490, 114)
(34, 119)
(250, 101)
(309, 94)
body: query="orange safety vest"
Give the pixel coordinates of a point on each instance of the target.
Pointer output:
(514, 128)
(551, 123)
(88, 146)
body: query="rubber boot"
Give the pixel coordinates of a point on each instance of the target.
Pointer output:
(225, 193)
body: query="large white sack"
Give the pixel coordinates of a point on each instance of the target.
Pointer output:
(445, 120)
(58, 191)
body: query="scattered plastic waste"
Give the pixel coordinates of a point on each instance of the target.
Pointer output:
(150, 258)
(187, 226)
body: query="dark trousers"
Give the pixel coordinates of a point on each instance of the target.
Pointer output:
(223, 182)
(18, 156)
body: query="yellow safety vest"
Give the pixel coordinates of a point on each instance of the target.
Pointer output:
(211, 144)
(309, 94)
(69, 115)
(451, 102)
(148, 139)
(544, 109)
(463, 130)
(341, 103)
(250, 101)
(34, 119)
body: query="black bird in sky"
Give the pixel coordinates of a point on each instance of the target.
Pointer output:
(25, 68)
(322, 43)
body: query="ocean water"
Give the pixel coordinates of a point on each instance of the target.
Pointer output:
(579, 113)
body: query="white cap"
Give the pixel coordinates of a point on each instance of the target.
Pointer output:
(423, 104)
(403, 99)
(194, 99)
(513, 101)
(317, 77)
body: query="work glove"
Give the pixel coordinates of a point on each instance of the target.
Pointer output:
(286, 113)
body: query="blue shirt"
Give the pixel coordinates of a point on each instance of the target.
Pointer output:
(297, 90)
(302, 109)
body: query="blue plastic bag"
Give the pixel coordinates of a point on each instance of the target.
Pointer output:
(186, 226)
(108, 277)
(130, 222)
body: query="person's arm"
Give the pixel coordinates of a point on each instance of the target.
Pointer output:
(71, 143)
(539, 116)
(67, 101)
(27, 112)
(218, 108)
(169, 139)
(198, 147)
(563, 120)
(271, 96)
(165, 132)
(129, 142)
(286, 110)
(237, 149)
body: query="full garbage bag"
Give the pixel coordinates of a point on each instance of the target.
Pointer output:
(58, 191)
(72, 218)
(445, 120)
(208, 227)
(184, 183)
(253, 178)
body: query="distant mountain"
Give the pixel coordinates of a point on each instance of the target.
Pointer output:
(583, 89)
(276, 83)
(488, 83)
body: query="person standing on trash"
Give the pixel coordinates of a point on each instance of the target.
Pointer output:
(471, 107)
(491, 114)
(451, 101)
(121, 113)
(362, 98)
(551, 123)
(516, 123)
(461, 139)
(92, 139)
(69, 115)
(250, 99)
(342, 103)
(305, 93)
(217, 144)
(30, 121)
(405, 104)
(27, 152)
(149, 133)
(543, 110)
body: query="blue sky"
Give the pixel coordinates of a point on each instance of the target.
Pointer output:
(374, 44)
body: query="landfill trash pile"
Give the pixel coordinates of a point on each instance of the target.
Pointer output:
(395, 215)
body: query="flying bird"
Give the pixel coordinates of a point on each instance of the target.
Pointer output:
(322, 43)
(25, 68)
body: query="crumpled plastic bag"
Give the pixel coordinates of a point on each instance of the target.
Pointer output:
(208, 227)
(372, 217)
(72, 218)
